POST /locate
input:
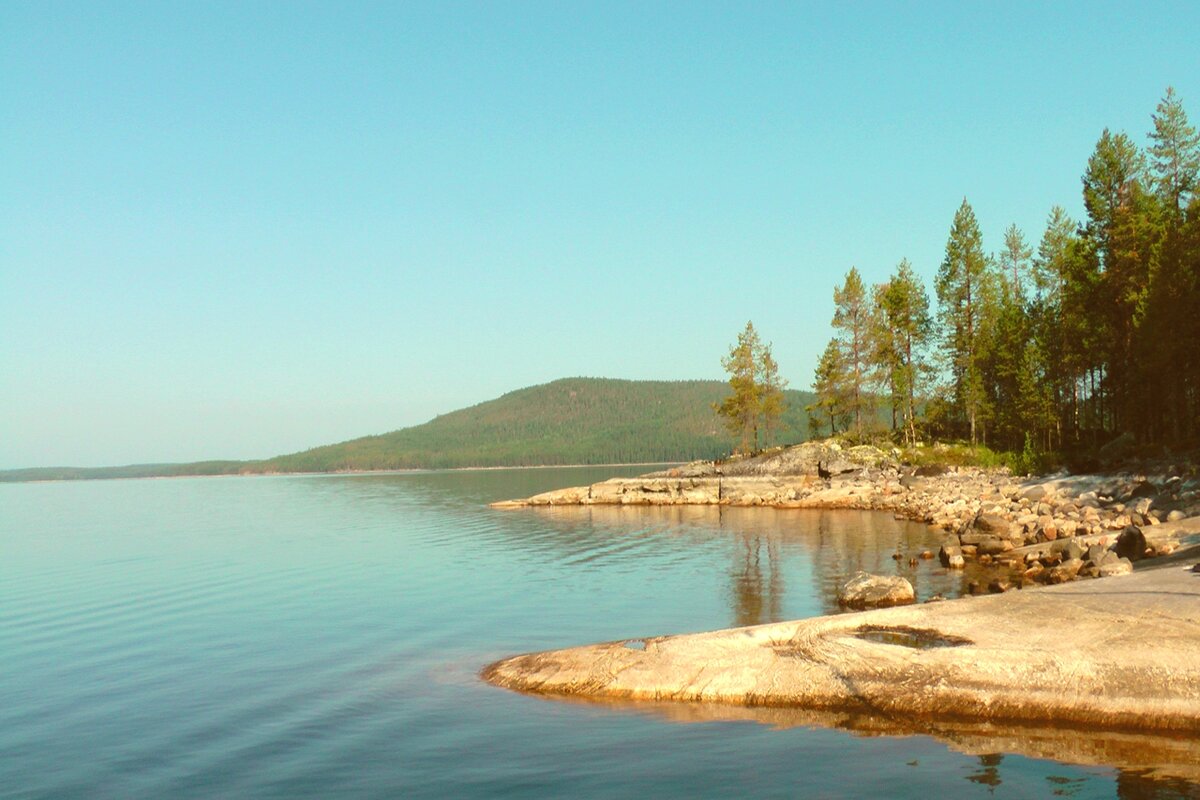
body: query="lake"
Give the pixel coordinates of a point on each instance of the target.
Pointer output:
(321, 636)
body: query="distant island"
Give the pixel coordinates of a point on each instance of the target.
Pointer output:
(567, 421)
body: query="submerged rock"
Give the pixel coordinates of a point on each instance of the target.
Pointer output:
(876, 591)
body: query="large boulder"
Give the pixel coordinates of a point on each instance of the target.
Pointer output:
(876, 591)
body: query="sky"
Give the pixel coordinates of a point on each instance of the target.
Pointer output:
(235, 230)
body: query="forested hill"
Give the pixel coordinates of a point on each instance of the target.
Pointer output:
(568, 421)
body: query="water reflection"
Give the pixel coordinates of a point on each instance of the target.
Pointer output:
(1141, 784)
(757, 600)
(1147, 766)
(989, 771)
(764, 545)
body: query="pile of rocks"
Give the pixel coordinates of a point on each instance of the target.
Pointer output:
(1046, 510)
(1058, 529)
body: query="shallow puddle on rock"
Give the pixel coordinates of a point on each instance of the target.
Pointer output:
(916, 638)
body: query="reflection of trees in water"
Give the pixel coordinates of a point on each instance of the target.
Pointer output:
(1135, 784)
(989, 771)
(757, 600)
(759, 549)
(832, 545)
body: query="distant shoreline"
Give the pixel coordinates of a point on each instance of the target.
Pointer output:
(396, 471)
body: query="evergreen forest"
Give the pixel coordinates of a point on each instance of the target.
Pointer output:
(1059, 344)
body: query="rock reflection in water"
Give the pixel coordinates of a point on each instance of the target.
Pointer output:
(1147, 766)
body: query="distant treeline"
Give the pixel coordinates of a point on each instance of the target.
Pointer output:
(569, 421)
(1093, 333)
(130, 471)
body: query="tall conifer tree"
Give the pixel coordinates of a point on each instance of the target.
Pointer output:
(852, 326)
(960, 291)
(904, 308)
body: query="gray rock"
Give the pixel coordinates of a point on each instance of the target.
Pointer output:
(994, 524)
(876, 591)
(1033, 493)
(994, 545)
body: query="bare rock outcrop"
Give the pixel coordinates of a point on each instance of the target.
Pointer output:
(1122, 654)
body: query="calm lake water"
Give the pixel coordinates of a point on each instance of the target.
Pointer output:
(321, 636)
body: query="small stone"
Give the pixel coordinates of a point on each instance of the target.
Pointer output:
(1066, 570)
(1119, 566)
(1176, 515)
(1068, 550)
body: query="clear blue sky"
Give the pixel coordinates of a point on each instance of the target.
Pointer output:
(242, 229)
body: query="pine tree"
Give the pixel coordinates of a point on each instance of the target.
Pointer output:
(852, 323)
(828, 384)
(904, 316)
(1121, 234)
(960, 290)
(1175, 153)
(1014, 258)
(757, 402)
(1059, 319)
(1169, 305)
(742, 408)
(771, 404)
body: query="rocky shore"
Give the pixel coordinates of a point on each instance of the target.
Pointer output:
(1044, 530)
(1111, 654)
